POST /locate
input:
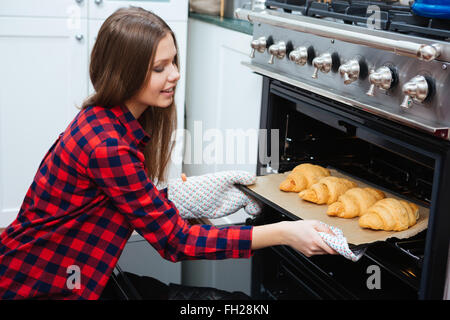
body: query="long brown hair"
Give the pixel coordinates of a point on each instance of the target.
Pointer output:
(121, 63)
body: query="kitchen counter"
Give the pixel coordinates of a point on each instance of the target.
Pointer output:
(228, 23)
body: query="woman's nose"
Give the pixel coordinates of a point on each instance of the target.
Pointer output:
(174, 74)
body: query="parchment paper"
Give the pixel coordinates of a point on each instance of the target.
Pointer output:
(268, 187)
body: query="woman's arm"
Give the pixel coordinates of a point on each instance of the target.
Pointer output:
(301, 235)
(118, 170)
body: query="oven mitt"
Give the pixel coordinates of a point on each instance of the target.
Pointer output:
(212, 195)
(339, 243)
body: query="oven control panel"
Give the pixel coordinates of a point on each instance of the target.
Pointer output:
(405, 89)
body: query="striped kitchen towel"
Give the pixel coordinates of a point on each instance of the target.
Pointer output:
(339, 243)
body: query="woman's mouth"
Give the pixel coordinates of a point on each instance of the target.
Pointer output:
(168, 91)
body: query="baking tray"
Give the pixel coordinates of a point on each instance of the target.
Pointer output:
(267, 190)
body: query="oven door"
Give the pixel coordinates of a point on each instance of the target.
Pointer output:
(404, 161)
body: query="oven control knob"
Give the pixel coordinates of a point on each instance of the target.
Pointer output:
(258, 45)
(382, 78)
(299, 56)
(429, 52)
(416, 89)
(277, 50)
(350, 71)
(322, 63)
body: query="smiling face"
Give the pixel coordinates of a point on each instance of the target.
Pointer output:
(160, 88)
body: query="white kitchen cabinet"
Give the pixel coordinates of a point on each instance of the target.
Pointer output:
(223, 101)
(43, 8)
(43, 77)
(45, 48)
(169, 10)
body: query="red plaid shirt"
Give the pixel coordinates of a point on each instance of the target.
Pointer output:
(90, 192)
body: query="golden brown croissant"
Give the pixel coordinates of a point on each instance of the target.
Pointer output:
(354, 202)
(327, 190)
(390, 214)
(303, 176)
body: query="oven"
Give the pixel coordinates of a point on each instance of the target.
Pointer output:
(369, 103)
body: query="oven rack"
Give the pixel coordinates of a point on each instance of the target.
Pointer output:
(406, 185)
(388, 254)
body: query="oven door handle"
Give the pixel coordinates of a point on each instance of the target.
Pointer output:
(422, 51)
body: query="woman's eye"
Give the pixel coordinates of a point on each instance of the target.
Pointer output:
(160, 69)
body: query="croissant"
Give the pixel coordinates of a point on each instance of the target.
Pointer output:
(390, 214)
(354, 202)
(303, 176)
(327, 190)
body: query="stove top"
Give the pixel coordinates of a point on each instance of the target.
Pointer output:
(384, 15)
(401, 76)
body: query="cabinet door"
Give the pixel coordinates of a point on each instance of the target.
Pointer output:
(166, 9)
(72, 9)
(238, 103)
(223, 100)
(42, 80)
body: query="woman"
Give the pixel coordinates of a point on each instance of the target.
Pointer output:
(94, 186)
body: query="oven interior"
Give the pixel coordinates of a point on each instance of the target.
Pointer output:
(331, 140)
(305, 139)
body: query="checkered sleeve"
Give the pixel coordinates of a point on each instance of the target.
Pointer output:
(119, 172)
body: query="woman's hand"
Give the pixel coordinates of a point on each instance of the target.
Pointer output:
(302, 235)
(212, 195)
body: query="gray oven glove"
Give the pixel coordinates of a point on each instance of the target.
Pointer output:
(339, 243)
(212, 195)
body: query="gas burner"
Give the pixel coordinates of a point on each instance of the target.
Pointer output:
(408, 22)
(384, 15)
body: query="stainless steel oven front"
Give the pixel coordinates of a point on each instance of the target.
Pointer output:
(369, 100)
(408, 163)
